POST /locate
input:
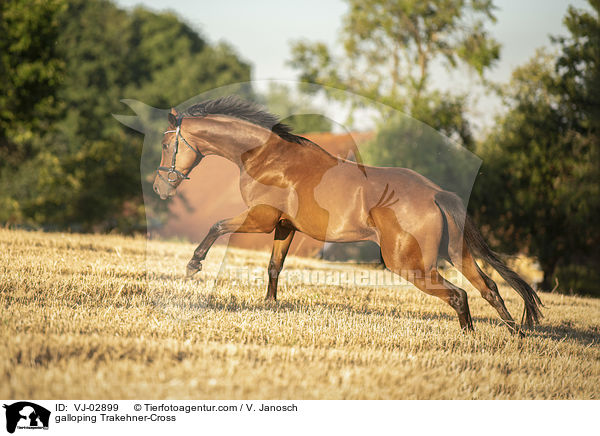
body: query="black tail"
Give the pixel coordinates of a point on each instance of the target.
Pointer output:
(452, 204)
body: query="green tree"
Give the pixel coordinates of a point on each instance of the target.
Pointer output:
(86, 175)
(539, 190)
(296, 111)
(389, 47)
(407, 143)
(30, 72)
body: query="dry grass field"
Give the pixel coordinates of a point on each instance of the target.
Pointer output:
(109, 317)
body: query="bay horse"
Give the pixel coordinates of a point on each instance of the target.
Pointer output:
(290, 185)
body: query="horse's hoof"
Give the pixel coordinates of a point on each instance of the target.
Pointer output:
(192, 269)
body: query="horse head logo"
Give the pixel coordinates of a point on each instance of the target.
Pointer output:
(25, 414)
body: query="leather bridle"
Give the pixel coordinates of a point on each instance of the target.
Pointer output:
(178, 175)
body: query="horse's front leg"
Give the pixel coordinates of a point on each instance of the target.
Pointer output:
(258, 219)
(281, 245)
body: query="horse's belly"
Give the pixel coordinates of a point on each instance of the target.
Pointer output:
(330, 227)
(352, 235)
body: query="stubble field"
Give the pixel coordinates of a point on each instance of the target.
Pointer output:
(109, 317)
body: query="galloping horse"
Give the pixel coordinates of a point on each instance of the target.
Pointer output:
(291, 184)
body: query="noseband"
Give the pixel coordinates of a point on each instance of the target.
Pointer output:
(173, 174)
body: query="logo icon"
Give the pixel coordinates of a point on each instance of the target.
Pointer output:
(26, 415)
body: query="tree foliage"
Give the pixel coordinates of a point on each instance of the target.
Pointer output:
(407, 143)
(539, 191)
(389, 48)
(30, 72)
(85, 172)
(295, 110)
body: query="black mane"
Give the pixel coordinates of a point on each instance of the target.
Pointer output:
(235, 107)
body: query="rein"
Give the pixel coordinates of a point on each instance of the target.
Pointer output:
(172, 170)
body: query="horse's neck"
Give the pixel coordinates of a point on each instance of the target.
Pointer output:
(246, 144)
(258, 152)
(231, 138)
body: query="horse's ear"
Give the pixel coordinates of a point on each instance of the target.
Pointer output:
(172, 117)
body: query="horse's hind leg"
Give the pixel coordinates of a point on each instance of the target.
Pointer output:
(259, 219)
(434, 284)
(281, 245)
(416, 262)
(485, 285)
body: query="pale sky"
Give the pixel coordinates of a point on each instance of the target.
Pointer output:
(261, 31)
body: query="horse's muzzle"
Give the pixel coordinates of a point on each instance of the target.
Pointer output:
(163, 190)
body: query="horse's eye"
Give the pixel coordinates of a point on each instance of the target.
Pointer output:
(165, 145)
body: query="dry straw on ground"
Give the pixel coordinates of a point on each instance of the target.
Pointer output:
(81, 318)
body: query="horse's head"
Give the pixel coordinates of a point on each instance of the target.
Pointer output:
(179, 157)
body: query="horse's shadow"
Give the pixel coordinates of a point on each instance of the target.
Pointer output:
(235, 304)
